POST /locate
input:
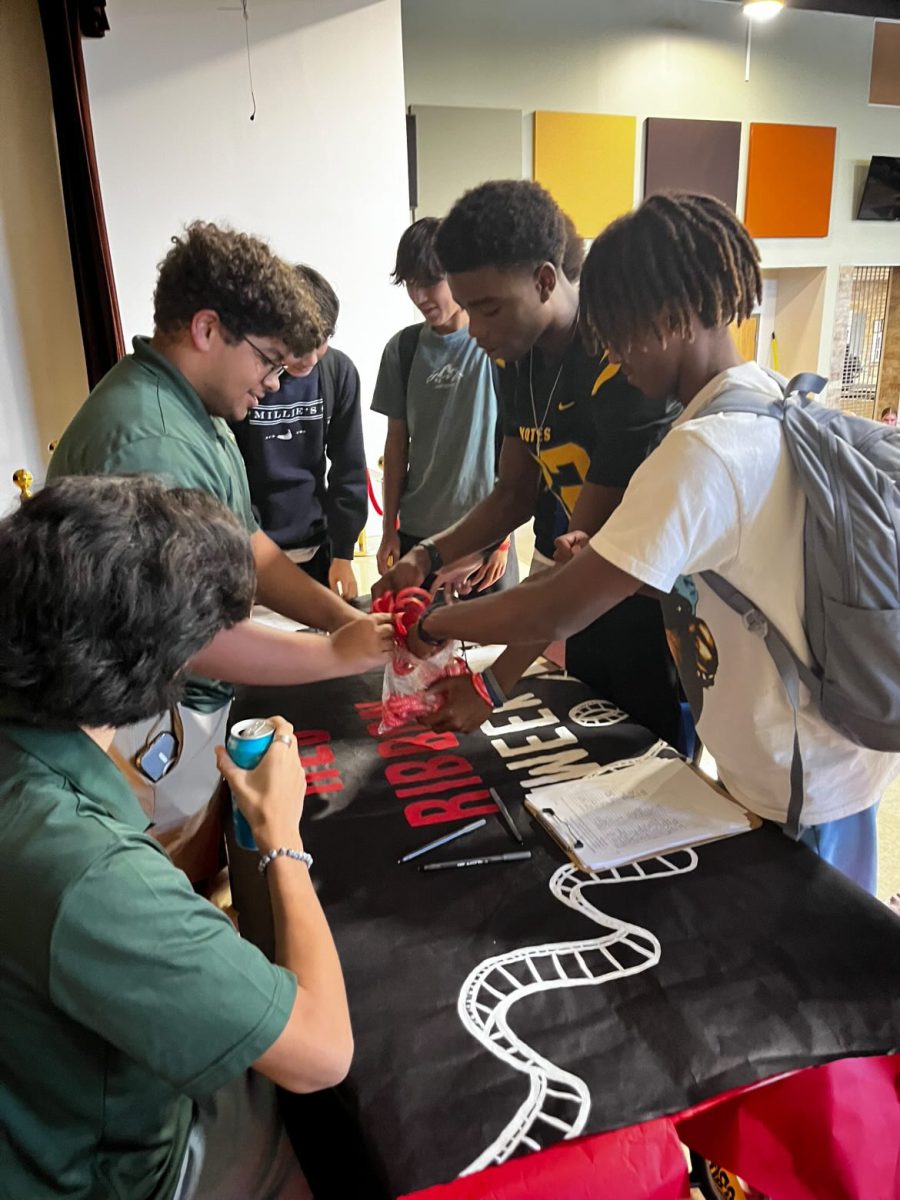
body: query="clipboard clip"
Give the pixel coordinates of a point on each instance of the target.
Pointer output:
(574, 843)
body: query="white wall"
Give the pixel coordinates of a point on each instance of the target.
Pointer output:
(42, 373)
(672, 58)
(320, 172)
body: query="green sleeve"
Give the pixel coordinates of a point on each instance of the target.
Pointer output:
(166, 979)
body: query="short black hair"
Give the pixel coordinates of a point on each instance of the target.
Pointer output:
(110, 586)
(505, 223)
(678, 256)
(417, 260)
(324, 295)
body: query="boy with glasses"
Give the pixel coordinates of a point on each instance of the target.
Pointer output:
(228, 318)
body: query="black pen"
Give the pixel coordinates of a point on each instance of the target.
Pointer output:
(507, 816)
(512, 856)
(442, 841)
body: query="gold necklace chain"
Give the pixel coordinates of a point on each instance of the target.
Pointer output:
(539, 429)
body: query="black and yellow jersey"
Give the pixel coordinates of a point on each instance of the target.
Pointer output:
(594, 426)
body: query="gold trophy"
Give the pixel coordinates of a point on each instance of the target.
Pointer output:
(23, 480)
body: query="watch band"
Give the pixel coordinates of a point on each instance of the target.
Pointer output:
(426, 637)
(434, 555)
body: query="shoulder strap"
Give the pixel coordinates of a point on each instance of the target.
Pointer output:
(406, 346)
(745, 400)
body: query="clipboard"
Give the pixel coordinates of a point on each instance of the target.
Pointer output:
(623, 813)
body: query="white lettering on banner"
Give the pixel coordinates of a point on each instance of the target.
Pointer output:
(534, 742)
(554, 766)
(519, 724)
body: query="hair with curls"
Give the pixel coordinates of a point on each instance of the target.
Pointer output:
(325, 297)
(238, 277)
(677, 257)
(111, 585)
(417, 260)
(573, 255)
(505, 223)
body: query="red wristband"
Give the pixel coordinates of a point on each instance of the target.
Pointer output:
(504, 545)
(478, 684)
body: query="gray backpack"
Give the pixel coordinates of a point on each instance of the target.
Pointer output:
(849, 470)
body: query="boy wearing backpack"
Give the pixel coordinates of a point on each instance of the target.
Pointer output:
(437, 389)
(720, 495)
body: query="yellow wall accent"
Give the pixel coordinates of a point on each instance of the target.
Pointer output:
(586, 162)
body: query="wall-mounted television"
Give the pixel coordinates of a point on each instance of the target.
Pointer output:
(881, 195)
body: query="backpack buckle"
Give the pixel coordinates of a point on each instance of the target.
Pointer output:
(755, 622)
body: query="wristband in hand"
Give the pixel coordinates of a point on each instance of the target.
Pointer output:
(504, 545)
(477, 681)
(489, 689)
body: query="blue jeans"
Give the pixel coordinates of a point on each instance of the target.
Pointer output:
(850, 844)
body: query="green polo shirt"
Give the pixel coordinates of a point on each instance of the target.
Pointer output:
(123, 994)
(144, 416)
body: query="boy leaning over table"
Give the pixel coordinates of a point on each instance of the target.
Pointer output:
(141, 1036)
(659, 290)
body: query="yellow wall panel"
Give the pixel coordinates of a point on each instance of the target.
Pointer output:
(586, 162)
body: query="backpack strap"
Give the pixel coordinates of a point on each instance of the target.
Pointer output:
(746, 400)
(791, 670)
(406, 348)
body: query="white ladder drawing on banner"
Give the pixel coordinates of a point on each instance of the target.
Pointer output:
(558, 1102)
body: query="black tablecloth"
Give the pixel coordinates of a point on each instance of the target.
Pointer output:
(611, 999)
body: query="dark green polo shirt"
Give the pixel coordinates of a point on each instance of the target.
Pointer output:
(123, 994)
(144, 416)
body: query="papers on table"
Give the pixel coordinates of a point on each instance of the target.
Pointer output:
(650, 807)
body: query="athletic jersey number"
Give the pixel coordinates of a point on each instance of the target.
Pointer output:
(565, 469)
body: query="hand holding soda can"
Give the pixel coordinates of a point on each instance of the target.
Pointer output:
(246, 744)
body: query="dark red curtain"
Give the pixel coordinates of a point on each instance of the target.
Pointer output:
(64, 23)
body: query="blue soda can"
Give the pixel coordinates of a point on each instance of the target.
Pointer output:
(246, 744)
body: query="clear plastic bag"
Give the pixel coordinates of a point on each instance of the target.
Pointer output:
(405, 696)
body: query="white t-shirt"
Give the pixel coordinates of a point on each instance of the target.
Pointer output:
(720, 494)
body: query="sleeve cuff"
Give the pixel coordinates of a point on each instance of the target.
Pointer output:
(651, 576)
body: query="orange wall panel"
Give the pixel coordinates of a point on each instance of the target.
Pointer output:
(790, 174)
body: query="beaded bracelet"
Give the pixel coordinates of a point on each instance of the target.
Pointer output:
(283, 852)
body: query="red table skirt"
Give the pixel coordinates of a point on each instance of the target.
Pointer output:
(825, 1133)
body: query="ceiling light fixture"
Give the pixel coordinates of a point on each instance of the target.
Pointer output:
(762, 10)
(756, 12)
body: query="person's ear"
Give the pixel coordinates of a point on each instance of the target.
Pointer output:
(204, 328)
(545, 281)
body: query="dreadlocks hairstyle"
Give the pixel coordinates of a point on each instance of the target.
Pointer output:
(324, 295)
(417, 260)
(505, 223)
(677, 257)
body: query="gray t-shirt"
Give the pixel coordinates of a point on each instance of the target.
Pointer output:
(450, 410)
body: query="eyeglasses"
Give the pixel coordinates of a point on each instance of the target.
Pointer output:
(274, 370)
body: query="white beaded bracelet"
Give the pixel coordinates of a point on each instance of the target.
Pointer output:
(284, 852)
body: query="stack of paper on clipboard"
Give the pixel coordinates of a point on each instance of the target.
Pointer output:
(651, 807)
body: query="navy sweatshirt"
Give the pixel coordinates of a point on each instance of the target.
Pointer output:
(285, 443)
